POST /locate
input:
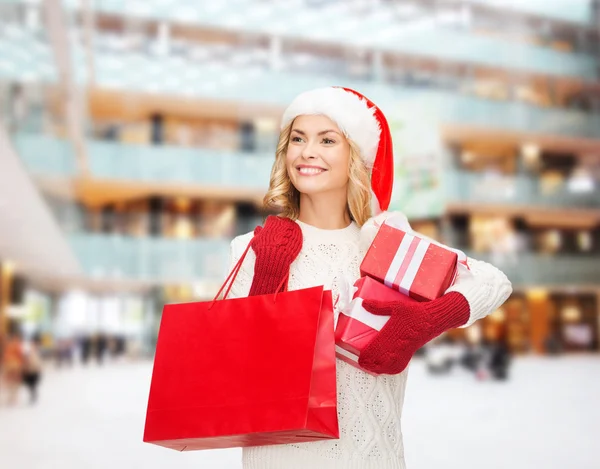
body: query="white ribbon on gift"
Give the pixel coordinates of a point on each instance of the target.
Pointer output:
(356, 311)
(404, 255)
(415, 258)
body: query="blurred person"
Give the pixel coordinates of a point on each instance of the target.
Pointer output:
(333, 168)
(18, 107)
(472, 357)
(442, 355)
(32, 368)
(483, 353)
(86, 345)
(552, 344)
(499, 359)
(63, 352)
(101, 345)
(12, 366)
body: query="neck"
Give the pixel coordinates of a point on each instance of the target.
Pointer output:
(325, 211)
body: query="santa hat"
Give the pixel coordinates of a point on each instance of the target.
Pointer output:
(362, 122)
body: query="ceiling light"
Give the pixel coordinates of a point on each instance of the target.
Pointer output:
(530, 153)
(467, 156)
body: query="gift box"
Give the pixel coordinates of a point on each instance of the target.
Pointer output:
(410, 264)
(356, 327)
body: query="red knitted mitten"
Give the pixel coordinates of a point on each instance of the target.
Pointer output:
(410, 326)
(276, 245)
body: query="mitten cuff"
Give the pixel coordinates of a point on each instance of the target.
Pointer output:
(447, 312)
(270, 269)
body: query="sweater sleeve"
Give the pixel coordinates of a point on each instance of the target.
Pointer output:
(484, 286)
(243, 280)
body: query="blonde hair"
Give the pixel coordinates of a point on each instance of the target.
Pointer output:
(283, 197)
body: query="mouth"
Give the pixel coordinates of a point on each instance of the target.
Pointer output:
(310, 170)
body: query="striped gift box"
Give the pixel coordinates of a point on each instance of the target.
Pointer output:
(410, 264)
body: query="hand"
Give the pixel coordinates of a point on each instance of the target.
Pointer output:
(411, 325)
(276, 245)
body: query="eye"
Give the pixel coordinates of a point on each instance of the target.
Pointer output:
(328, 141)
(296, 139)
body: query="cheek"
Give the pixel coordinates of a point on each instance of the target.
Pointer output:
(290, 156)
(340, 162)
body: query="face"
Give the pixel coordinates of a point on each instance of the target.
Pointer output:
(318, 156)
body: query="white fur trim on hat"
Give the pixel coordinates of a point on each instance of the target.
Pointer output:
(351, 113)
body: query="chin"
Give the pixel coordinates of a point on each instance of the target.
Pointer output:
(306, 187)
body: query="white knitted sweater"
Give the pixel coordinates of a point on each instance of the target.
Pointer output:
(369, 408)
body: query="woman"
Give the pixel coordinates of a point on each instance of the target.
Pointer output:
(12, 366)
(32, 368)
(334, 149)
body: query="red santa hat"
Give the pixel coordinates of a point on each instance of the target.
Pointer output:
(361, 121)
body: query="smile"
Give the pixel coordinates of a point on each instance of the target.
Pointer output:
(310, 171)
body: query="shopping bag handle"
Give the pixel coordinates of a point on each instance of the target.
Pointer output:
(282, 286)
(234, 272)
(232, 275)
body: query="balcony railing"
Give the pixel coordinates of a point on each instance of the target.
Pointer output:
(45, 155)
(170, 164)
(167, 164)
(462, 186)
(382, 28)
(547, 270)
(151, 259)
(162, 259)
(562, 10)
(111, 160)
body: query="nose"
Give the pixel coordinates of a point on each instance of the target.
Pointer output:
(309, 151)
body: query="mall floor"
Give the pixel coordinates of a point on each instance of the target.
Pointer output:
(546, 416)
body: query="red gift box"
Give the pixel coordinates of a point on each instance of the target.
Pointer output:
(356, 327)
(410, 264)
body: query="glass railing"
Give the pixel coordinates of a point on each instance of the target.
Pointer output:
(546, 270)
(151, 259)
(463, 186)
(45, 154)
(578, 11)
(112, 160)
(51, 156)
(468, 110)
(223, 81)
(279, 88)
(162, 259)
(167, 164)
(381, 30)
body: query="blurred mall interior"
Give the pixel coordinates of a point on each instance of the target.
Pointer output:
(137, 137)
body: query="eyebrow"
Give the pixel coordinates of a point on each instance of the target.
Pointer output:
(323, 132)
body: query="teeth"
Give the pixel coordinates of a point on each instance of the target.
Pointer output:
(310, 170)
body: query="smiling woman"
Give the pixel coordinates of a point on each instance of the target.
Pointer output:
(333, 171)
(314, 158)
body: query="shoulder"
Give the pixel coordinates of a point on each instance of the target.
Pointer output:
(240, 243)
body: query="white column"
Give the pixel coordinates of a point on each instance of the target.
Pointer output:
(275, 49)
(163, 36)
(378, 66)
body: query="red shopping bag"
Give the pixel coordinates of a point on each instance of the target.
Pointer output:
(244, 372)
